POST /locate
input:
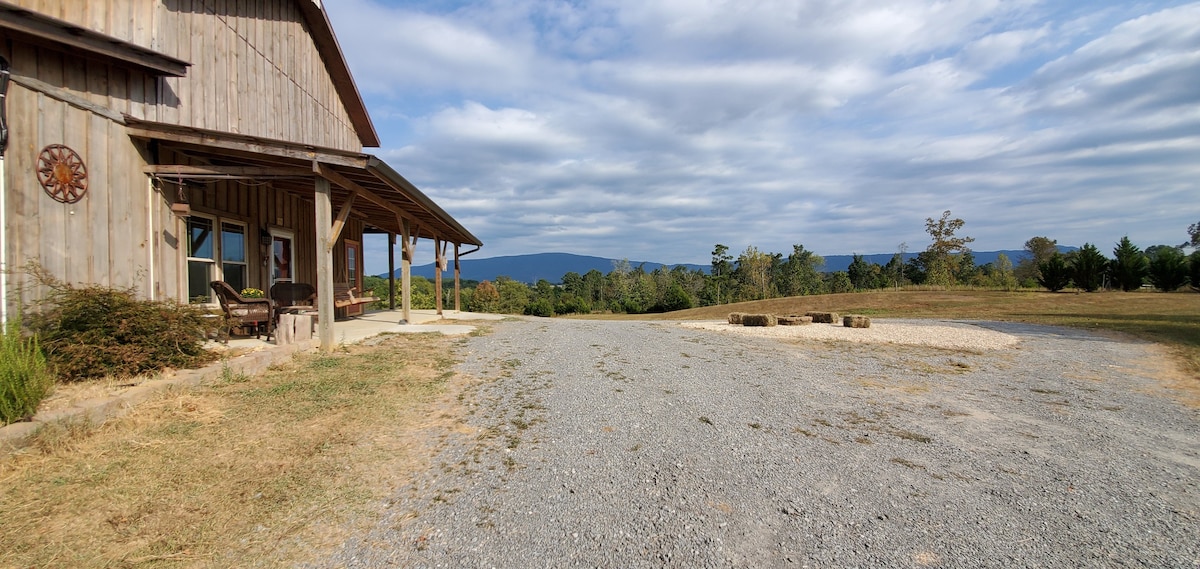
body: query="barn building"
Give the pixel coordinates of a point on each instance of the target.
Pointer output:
(165, 144)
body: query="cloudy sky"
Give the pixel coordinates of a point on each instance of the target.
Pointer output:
(652, 130)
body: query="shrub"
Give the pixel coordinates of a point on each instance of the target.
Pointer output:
(24, 378)
(1055, 275)
(540, 307)
(96, 331)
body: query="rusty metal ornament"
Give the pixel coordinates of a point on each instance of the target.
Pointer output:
(62, 173)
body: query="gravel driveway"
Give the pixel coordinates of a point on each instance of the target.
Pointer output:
(635, 444)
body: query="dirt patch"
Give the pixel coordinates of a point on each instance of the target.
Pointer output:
(950, 336)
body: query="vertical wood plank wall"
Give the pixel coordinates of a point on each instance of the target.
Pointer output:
(111, 236)
(255, 68)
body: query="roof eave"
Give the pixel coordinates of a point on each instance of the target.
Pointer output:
(335, 63)
(39, 28)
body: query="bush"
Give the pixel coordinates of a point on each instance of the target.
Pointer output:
(96, 331)
(540, 307)
(24, 378)
(1055, 275)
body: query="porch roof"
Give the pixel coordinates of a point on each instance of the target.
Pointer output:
(383, 199)
(45, 30)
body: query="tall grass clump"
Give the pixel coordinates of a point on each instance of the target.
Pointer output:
(24, 377)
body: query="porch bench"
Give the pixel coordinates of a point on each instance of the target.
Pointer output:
(345, 295)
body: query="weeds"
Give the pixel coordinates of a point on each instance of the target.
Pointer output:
(25, 379)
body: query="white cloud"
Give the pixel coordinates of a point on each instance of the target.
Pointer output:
(654, 129)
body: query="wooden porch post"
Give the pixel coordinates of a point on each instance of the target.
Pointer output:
(391, 271)
(439, 261)
(457, 274)
(406, 257)
(324, 220)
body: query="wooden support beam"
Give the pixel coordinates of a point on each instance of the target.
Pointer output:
(391, 271)
(185, 135)
(231, 171)
(324, 171)
(324, 215)
(457, 274)
(439, 261)
(406, 258)
(340, 223)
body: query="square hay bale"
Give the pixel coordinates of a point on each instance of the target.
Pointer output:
(735, 317)
(852, 321)
(758, 320)
(823, 317)
(794, 320)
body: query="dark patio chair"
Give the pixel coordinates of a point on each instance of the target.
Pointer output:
(289, 297)
(242, 312)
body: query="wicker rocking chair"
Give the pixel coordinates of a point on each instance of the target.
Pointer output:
(242, 312)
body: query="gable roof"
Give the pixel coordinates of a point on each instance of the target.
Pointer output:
(335, 63)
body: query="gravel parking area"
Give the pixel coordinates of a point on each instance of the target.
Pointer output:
(637, 444)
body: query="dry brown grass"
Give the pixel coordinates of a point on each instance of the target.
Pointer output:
(244, 472)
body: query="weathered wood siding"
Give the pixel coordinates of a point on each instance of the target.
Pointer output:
(116, 234)
(255, 68)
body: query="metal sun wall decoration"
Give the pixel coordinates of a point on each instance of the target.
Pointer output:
(62, 173)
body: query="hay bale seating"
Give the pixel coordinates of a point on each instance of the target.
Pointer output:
(823, 317)
(852, 321)
(794, 320)
(758, 320)
(735, 317)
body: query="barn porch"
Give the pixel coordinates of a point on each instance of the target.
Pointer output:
(376, 322)
(319, 201)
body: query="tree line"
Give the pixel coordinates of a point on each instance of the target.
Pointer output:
(757, 275)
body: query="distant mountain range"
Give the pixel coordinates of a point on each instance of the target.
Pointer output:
(552, 266)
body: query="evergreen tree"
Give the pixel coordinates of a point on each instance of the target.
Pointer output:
(1054, 274)
(1168, 269)
(722, 271)
(1129, 267)
(1087, 268)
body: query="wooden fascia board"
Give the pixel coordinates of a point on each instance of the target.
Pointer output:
(71, 38)
(323, 35)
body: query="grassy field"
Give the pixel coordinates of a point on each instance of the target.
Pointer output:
(244, 472)
(1172, 320)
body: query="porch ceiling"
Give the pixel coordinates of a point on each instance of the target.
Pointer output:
(384, 197)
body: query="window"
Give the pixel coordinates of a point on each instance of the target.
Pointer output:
(201, 259)
(233, 255)
(352, 263)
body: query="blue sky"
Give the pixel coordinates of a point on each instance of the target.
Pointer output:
(653, 130)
